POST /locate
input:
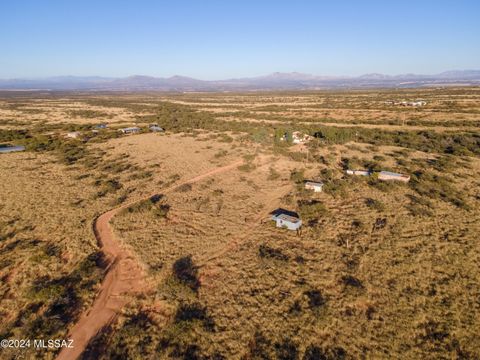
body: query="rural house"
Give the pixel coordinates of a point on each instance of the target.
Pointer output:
(413, 103)
(130, 130)
(316, 186)
(406, 103)
(387, 175)
(286, 219)
(382, 175)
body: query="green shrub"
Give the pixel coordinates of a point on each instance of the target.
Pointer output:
(273, 175)
(297, 176)
(335, 188)
(259, 347)
(375, 204)
(349, 280)
(186, 272)
(221, 153)
(315, 298)
(286, 350)
(185, 187)
(265, 251)
(194, 311)
(107, 187)
(437, 187)
(314, 352)
(261, 136)
(297, 156)
(247, 167)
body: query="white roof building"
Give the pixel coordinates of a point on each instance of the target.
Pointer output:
(130, 130)
(316, 186)
(359, 172)
(287, 221)
(388, 175)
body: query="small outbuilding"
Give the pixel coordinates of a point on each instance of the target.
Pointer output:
(101, 126)
(286, 219)
(130, 130)
(316, 186)
(288, 222)
(387, 176)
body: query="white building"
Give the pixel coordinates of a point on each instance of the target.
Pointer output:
(358, 172)
(413, 103)
(130, 130)
(387, 176)
(287, 221)
(316, 186)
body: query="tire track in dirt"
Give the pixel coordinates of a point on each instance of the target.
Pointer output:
(125, 277)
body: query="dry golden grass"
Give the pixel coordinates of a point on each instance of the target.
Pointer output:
(416, 276)
(177, 154)
(379, 271)
(46, 213)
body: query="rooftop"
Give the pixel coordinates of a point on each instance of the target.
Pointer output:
(314, 183)
(392, 173)
(288, 218)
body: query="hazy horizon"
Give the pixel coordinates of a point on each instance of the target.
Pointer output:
(167, 76)
(216, 40)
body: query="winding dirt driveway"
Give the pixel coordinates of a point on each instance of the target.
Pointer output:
(125, 277)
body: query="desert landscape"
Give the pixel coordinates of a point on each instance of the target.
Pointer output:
(160, 243)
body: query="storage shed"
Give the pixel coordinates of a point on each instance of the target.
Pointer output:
(286, 219)
(316, 186)
(288, 222)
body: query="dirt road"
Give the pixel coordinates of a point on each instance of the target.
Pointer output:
(125, 276)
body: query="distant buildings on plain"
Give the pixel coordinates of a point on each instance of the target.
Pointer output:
(406, 103)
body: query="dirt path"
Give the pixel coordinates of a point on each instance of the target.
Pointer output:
(125, 276)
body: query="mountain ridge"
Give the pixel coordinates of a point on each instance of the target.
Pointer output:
(273, 81)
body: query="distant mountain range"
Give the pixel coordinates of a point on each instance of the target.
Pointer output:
(275, 81)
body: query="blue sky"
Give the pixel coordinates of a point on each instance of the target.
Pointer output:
(223, 39)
